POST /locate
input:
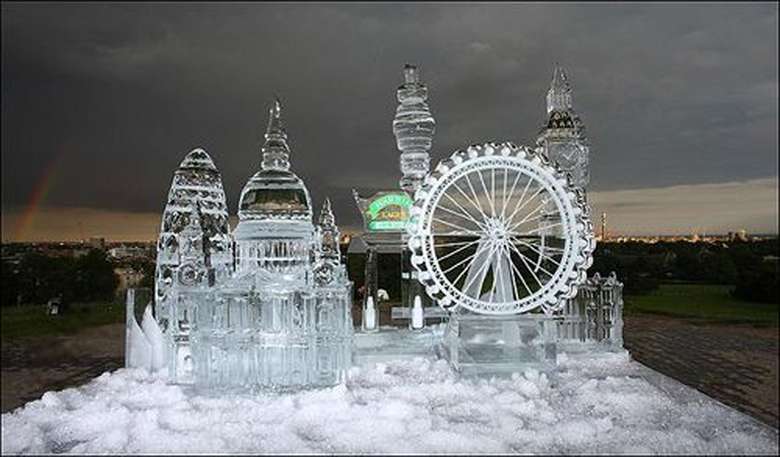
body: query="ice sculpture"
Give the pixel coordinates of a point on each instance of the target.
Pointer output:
(144, 344)
(282, 319)
(138, 350)
(194, 252)
(275, 233)
(413, 127)
(594, 318)
(155, 338)
(370, 316)
(481, 253)
(563, 136)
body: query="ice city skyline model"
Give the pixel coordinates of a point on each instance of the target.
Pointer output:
(268, 304)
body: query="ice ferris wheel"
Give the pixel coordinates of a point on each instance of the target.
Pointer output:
(498, 229)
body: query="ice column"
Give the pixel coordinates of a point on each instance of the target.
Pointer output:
(413, 127)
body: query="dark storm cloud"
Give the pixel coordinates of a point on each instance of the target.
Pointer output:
(671, 94)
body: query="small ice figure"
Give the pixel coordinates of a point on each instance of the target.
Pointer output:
(369, 316)
(382, 295)
(418, 320)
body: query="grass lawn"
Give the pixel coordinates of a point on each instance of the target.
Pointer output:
(32, 320)
(702, 301)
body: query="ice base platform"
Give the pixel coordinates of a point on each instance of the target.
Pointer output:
(395, 343)
(485, 345)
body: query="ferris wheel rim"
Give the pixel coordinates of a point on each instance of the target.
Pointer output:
(569, 204)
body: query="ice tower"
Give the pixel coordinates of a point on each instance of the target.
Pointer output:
(194, 252)
(413, 127)
(563, 135)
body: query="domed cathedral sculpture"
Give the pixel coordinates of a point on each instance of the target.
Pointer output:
(275, 231)
(272, 312)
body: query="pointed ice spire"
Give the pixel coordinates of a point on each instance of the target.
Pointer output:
(559, 95)
(329, 234)
(276, 152)
(326, 215)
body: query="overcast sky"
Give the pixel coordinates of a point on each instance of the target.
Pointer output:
(106, 99)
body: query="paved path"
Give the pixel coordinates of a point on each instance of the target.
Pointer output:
(736, 364)
(34, 366)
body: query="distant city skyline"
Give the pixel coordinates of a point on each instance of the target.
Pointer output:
(102, 101)
(625, 209)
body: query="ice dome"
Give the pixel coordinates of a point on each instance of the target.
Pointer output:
(275, 192)
(197, 180)
(198, 159)
(275, 230)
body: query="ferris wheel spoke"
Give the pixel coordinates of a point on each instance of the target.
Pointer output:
(457, 233)
(525, 219)
(461, 262)
(527, 266)
(473, 203)
(493, 190)
(503, 193)
(520, 275)
(456, 226)
(511, 192)
(513, 231)
(543, 228)
(454, 243)
(465, 214)
(540, 252)
(442, 207)
(521, 204)
(487, 194)
(473, 259)
(532, 270)
(474, 193)
(460, 249)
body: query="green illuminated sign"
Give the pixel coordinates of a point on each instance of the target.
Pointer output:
(388, 212)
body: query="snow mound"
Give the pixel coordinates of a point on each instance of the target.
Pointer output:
(420, 406)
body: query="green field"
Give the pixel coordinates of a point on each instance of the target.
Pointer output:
(702, 301)
(32, 320)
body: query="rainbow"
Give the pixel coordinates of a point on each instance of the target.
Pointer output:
(40, 191)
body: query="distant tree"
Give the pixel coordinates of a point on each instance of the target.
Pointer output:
(41, 277)
(10, 284)
(758, 283)
(95, 277)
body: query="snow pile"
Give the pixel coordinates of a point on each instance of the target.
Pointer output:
(605, 406)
